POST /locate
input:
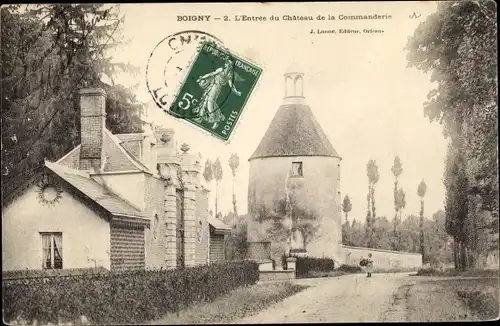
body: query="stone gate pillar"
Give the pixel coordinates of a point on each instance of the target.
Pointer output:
(190, 168)
(168, 168)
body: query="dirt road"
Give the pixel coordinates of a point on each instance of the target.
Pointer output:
(348, 298)
(355, 298)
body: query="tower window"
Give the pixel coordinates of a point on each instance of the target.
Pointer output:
(297, 169)
(338, 171)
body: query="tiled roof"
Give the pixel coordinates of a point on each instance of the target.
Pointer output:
(218, 224)
(294, 131)
(117, 158)
(95, 191)
(130, 137)
(72, 159)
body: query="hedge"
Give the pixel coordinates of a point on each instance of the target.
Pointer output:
(350, 269)
(122, 298)
(305, 265)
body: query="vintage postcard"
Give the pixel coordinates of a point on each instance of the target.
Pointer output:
(267, 162)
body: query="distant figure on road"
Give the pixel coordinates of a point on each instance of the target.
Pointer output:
(369, 266)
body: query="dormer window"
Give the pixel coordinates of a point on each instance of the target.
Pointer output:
(297, 170)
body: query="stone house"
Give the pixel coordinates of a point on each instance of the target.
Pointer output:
(121, 202)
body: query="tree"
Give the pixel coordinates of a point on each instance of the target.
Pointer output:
(456, 207)
(234, 162)
(401, 200)
(48, 53)
(346, 234)
(397, 170)
(236, 243)
(123, 112)
(346, 206)
(218, 174)
(382, 233)
(421, 190)
(207, 172)
(457, 45)
(368, 222)
(208, 175)
(373, 177)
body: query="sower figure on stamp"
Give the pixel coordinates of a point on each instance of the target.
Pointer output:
(212, 84)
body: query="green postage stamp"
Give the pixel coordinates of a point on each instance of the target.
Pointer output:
(215, 90)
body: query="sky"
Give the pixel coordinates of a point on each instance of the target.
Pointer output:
(358, 86)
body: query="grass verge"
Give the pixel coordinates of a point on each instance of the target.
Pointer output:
(454, 272)
(237, 304)
(482, 299)
(452, 299)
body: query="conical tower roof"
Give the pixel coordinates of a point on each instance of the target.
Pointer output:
(294, 131)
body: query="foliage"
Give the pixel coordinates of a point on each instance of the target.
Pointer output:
(401, 204)
(346, 206)
(122, 298)
(350, 269)
(401, 199)
(234, 163)
(353, 234)
(123, 112)
(373, 177)
(437, 241)
(217, 170)
(457, 46)
(289, 215)
(397, 170)
(218, 174)
(48, 52)
(485, 305)
(397, 167)
(236, 242)
(382, 233)
(305, 265)
(421, 190)
(207, 172)
(483, 273)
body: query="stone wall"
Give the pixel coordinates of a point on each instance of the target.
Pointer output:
(383, 259)
(155, 234)
(276, 275)
(202, 227)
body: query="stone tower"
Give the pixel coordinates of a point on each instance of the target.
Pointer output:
(295, 170)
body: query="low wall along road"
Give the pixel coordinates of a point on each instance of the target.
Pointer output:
(383, 259)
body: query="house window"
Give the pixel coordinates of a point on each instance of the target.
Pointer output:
(297, 169)
(338, 171)
(52, 250)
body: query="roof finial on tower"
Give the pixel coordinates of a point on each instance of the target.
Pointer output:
(294, 85)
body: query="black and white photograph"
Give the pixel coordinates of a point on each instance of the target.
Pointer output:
(249, 162)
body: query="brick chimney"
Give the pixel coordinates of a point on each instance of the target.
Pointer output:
(93, 115)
